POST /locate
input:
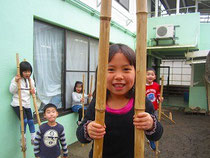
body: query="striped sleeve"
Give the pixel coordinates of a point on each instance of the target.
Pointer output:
(63, 144)
(37, 143)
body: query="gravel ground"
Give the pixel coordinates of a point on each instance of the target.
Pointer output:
(188, 138)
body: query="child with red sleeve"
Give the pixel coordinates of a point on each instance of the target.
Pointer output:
(153, 94)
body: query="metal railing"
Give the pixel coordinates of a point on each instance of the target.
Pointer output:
(204, 17)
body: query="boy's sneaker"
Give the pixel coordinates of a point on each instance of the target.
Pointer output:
(152, 145)
(79, 122)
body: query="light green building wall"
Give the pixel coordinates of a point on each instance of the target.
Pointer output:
(198, 91)
(197, 97)
(204, 43)
(16, 36)
(187, 30)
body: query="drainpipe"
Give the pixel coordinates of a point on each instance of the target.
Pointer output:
(156, 8)
(177, 6)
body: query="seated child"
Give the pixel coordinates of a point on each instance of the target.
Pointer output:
(50, 136)
(77, 100)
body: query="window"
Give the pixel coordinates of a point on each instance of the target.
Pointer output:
(48, 56)
(81, 58)
(124, 3)
(61, 57)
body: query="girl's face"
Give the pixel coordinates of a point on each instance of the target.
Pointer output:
(26, 74)
(150, 76)
(121, 75)
(79, 88)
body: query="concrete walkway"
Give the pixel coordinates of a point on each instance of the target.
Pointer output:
(76, 150)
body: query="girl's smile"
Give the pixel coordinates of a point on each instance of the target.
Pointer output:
(121, 75)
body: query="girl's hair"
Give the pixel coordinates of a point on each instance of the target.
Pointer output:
(76, 83)
(25, 66)
(130, 55)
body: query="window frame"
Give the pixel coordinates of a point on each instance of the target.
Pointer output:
(123, 5)
(63, 110)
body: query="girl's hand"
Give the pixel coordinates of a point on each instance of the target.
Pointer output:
(143, 121)
(95, 130)
(32, 91)
(17, 77)
(82, 100)
(90, 95)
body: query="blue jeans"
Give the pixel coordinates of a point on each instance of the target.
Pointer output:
(78, 109)
(28, 118)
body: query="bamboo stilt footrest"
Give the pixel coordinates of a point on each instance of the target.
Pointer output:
(168, 117)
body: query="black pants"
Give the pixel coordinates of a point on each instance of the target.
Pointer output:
(80, 113)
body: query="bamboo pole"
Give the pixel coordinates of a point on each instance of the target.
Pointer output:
(161, 95)
(105, 18)
(91, 85)
(159, 115)
(141, 44)
(162, 113)
(21, 108)
(34, 101)
(83, 96)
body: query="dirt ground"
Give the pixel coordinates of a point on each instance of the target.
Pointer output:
(188, 138)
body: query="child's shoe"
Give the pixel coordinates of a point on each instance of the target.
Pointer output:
(152, 145)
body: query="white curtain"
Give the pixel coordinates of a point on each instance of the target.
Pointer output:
(76, 60)
(48, 52)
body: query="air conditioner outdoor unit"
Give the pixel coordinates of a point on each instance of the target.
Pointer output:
(165, 31)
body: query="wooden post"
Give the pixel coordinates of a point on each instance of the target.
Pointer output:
(91, 85)
(159, 115)
(105, 18)
(35, 105)
(141, 49)
(83, 96)
(21, 108)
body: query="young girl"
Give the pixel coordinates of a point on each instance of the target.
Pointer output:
(25, 73)
(118, 131)
(78, 100)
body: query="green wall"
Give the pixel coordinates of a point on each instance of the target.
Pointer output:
(16, 36)
(197, 97)
(198, 92)
(204, 36)
(188, 31)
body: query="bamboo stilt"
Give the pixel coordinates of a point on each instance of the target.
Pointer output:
(83, 96)
(21, 108)
(34, 101)
(91, 85)
(162, 113)
(170, 115)
(161, 95)
(105, 18)
(141, 44)
(159, 115)
(35, 105)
